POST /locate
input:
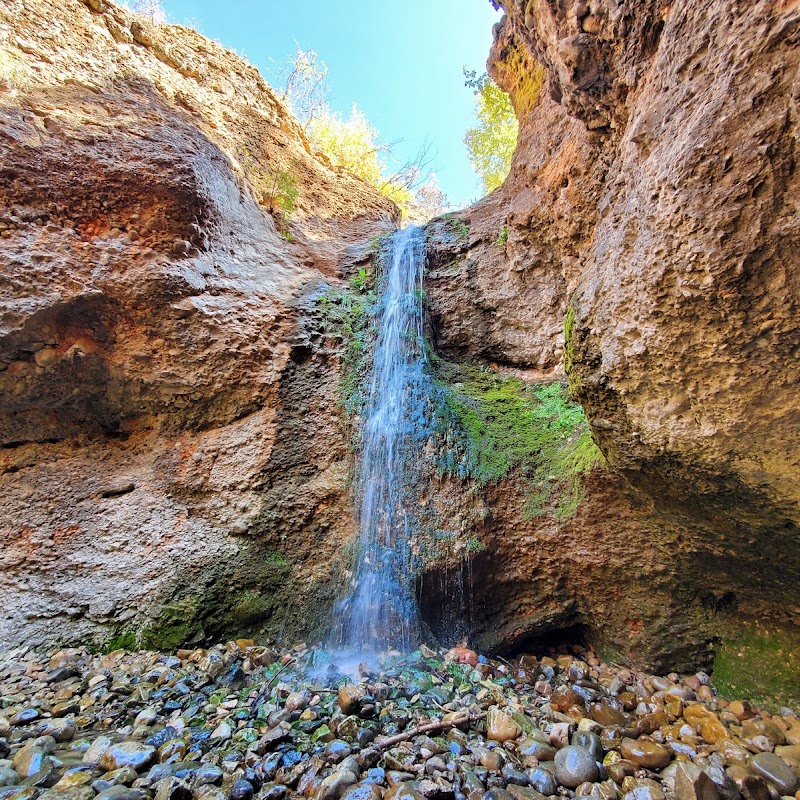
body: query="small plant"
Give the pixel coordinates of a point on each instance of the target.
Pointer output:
(282, 195)
(361, 281)
(460, 228)
(274, 557)
(502, 239)
(474, 546)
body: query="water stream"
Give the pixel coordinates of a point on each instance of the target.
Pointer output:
(381, 611)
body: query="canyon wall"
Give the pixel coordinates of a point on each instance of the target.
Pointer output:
(174, 457)
(647, 239)
(174, 374)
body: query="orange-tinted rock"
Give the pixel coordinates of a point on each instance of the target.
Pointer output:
(462, 655)
(565, 698)
(645, 753)
(606, 714)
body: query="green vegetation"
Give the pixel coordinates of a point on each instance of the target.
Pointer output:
(279, 193)
(502, 239)
(349, 313)
(491, 143)
(274, 557)
(759, 662)
(570, 335)
(458, 226)
(123, 641)
(506, 424)
(474, 545)
(251, 606)
(352, 143)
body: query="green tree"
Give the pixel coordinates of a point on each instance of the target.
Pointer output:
(352, 143)
(491, 143)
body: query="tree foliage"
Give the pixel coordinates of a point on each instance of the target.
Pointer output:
(352, 143)
(491, 143)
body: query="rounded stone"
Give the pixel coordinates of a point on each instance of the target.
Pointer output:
(645, 753)
(589, 741)
(242, 790)
(543, 781)
(128, 754)
(574, 766)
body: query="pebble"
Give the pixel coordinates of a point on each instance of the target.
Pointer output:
(500, 726)
(350, 696)
(691, 783)
(128, 754)
(645, 753)
(574, 766)
(212, 724)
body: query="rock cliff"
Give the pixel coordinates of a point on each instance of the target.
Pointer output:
(175, 450)
(174, 459)
(647, 240)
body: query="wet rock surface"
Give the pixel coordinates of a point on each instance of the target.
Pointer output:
(272, 724)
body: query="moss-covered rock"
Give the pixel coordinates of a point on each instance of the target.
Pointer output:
(509, 426)
(759, 662)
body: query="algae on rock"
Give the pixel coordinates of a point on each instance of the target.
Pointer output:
(505, 424)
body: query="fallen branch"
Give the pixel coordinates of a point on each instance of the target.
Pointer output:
(455, 720)
(260, 697)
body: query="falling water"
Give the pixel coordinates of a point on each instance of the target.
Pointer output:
(381, 612)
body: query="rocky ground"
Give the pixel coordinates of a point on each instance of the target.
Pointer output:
(238, 721)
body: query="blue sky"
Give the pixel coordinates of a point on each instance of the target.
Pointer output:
(400, 62)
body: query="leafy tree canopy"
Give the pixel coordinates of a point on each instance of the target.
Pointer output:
(491, 143)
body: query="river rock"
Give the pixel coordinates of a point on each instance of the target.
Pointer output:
(30, 761)
(574, 766)
(61, 729)
(350, 696)
(642, 789)
(363, 791)
(692, 783)
(500, 727)
(589, 741)
(335, 785)
(645, 753)
(297, 701)
(128, 754)
(8, 776)
(775, 770)
(543, 781)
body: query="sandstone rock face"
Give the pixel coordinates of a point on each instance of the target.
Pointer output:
(651, 212)
(173, 459)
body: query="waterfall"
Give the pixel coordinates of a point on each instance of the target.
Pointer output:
(381, 612)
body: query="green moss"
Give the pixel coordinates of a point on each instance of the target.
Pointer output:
(251, 606)
(502, 239)
(759, 663)
(349, 313)
(274, 557)
(123, 641)
(474, 545)
(167, 638)
(506, 425)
